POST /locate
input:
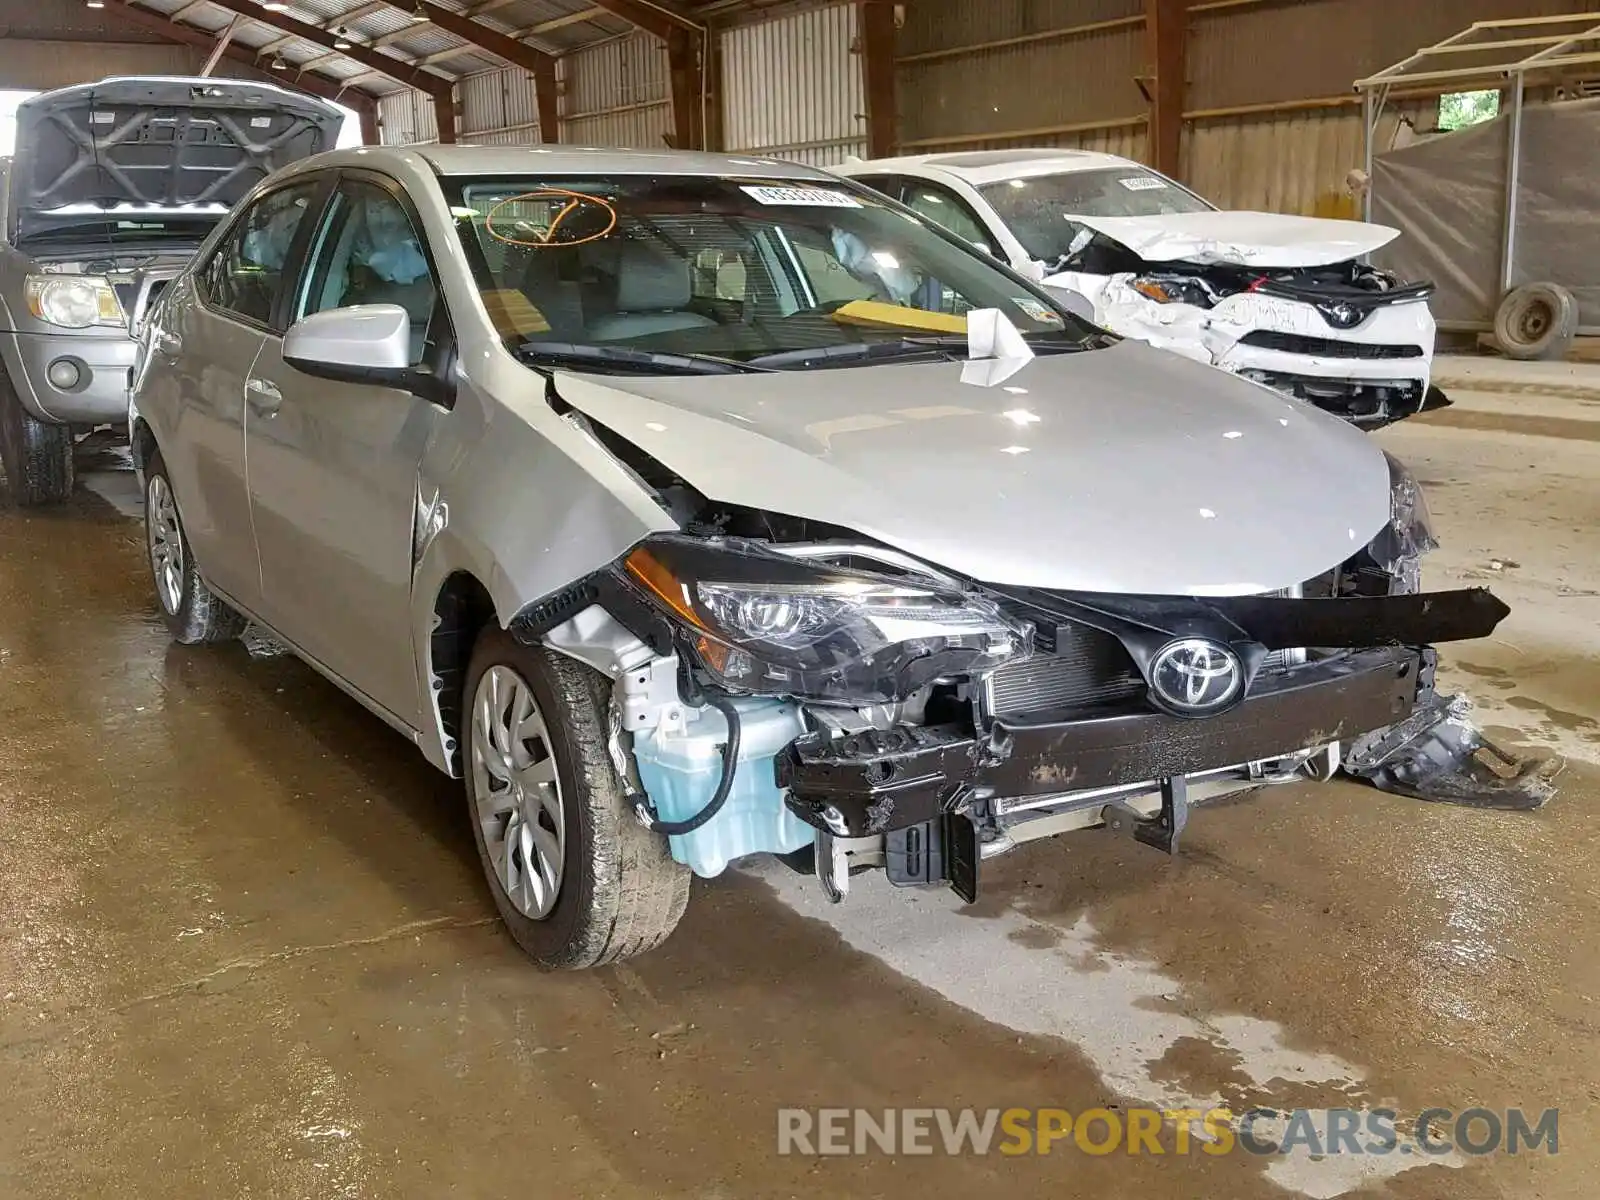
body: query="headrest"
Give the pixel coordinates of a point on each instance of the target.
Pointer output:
(650, 281)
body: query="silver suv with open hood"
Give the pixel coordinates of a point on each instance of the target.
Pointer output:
(692, 507)
(112, 187)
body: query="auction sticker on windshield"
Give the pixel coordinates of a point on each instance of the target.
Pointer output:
(811, 197)
(1143, 183)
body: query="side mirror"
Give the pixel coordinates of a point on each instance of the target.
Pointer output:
(1075, 303)
(365, 343)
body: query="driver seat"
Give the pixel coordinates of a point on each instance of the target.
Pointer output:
(652, 296)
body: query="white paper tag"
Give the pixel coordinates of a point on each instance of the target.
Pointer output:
(260, 122)
(801, 197)
(102, 118)
(1036, 310)
(1143, 183)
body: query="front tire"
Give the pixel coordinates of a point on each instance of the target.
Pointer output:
(578, 881)
(193, 612)
(37, 454)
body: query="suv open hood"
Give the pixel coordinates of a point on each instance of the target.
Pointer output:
(1125, 469)
(155, 143)
(1246, 239)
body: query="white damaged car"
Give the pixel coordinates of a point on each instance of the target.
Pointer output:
(690, 508)
(1284, 300)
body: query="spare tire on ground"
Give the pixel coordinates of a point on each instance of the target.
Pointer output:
(1536, 320)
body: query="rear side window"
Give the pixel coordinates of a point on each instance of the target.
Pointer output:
(244, 273)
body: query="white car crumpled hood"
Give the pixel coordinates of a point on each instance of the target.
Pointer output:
(1116, 470)
(1247, 239)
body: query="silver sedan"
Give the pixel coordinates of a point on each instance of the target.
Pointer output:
(690, 508)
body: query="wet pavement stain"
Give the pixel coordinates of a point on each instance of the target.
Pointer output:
(247, 952)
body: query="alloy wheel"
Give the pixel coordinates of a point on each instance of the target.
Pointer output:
(166, 543)
(516, 792)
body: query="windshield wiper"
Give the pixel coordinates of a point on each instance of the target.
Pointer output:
(627, 358)
(898, 348)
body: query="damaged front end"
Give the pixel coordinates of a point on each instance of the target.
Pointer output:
(1349, 338)
(782, 689)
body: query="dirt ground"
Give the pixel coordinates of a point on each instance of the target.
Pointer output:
(245, 949)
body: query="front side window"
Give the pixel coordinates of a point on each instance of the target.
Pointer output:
(944, 206)
(244, 273)
(1039, 209)
(740, 269)
(368, 252)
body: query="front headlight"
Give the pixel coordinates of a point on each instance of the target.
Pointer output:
(74, 301)
(1175, 289)
(1399, 548)
(764, 624)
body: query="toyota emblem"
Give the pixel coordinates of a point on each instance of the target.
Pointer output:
(1196, 677)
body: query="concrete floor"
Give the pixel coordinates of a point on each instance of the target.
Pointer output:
(245, 950)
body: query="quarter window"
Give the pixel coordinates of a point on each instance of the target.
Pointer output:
(245, 272)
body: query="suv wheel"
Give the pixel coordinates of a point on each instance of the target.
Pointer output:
(578, 881)
(193, 613)
(37, 455)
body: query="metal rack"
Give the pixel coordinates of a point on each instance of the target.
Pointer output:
(1510, 52)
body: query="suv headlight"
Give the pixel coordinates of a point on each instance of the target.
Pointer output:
(761, 623)
(74, 301)
(1409, 534)
(1175, 289)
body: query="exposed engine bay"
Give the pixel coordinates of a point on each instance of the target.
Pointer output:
(787, 687)
(1348, 337)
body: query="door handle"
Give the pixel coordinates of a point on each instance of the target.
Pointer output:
(263, 396)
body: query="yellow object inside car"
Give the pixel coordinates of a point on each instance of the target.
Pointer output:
(878, 315)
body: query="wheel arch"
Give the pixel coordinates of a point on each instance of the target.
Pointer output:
(461, 609)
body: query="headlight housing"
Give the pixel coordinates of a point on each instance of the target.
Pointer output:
(1175, 289)
(74, 301)
(1409, 534)
(761, 623)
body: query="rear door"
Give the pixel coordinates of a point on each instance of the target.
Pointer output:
(333, 465)
(209, 348)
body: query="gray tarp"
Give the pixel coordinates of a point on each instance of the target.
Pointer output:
(1447, 196)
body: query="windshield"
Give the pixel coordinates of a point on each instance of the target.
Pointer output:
(732, 270)
(1039, 209)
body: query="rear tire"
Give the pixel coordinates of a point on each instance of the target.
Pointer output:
(37, 454)
(1536, 321)
(618, 892)
(194, 614)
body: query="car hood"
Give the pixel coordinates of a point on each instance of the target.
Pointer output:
(1247, 239)
(1123, 469)
(155, 143)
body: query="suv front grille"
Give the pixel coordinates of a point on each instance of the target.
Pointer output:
(1295, 343)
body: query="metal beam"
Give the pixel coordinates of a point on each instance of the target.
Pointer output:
(876, 22)
(395, 68)
(586, 14)
(1167, 36)
(545, 97)
(223, 40)
(315, 85)
(501, 45)
(653, 16)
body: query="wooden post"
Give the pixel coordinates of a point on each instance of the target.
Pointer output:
(1167, 38)
(546, 95)
(444, 116)
(876, 31)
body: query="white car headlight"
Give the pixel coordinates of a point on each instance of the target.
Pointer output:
(74, 301)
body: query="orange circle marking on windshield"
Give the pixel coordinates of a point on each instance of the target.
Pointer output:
(575, 201)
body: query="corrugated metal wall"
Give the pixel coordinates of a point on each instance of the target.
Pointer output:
(792, 88)
(406, 118)
(997, 72)
(498, 108)
(47, 64)
(617, 94)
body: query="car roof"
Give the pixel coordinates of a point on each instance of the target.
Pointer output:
(567, 160)
(979, 167)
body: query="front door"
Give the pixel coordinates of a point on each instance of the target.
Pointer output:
(210, 348)
(333, 465)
